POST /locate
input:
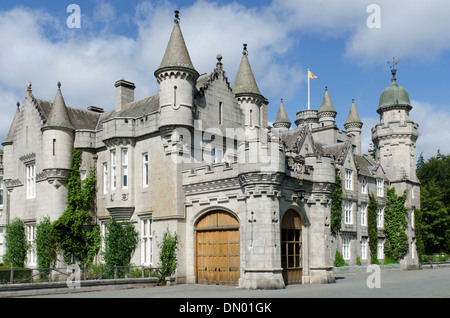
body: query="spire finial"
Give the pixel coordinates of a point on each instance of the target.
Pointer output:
(326, 88)
(18, 106)
(59, 85)
(245, 51)
(29, 89)
(177, 17)
(353, 100)
(393, 68)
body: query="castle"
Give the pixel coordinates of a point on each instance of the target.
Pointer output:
(250, 203)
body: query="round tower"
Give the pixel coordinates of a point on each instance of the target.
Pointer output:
(176, 77)
(395, 136)
(353, 126)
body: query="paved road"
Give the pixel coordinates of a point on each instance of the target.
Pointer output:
(433, 283)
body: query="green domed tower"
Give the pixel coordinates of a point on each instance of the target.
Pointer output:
(394, 139)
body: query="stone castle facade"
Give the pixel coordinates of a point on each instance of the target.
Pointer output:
(251, 203)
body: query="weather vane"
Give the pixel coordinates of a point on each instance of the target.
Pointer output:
(393, 68)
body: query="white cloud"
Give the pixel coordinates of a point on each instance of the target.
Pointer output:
(434, 130)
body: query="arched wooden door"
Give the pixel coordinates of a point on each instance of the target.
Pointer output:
(291, 248)
(217, 249)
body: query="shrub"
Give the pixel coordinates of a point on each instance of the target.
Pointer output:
(16, 244)
(339, 260)
(168, 253)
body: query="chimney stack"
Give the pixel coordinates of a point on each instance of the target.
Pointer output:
(124, 93)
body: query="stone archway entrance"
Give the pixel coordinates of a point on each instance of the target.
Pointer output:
(217, 249)
(291, 248)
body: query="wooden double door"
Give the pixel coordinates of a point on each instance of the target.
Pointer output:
(217, 249)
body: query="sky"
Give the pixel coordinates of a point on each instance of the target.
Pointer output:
(345, 43)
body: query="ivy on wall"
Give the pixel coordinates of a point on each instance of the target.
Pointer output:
(395, 225)
(73, 238)
(336, 206)
(372, 227)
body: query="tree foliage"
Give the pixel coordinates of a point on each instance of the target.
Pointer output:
(434, 223)
(16, 244)
(121, 240)
(395, 224)
(45, 244)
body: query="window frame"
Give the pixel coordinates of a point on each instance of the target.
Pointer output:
(145, 169)
(125, 168)
(30, 169)
(348, 177)
(146, 239)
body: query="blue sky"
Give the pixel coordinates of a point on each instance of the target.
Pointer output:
(127, 39)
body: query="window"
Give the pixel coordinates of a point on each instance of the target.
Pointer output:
(380, 187)
(380, 249)
(125, 168)
(348, 179)
(380, 217)
(347, 212)
(105, 178)
(364, 214)
(145, 169)
(1, 192)
(220, 113)
(146, 241)
(346, 247)
(364, 186)
(216, 155)
(31, 181)
(31, 236)
(54, 147)
(364, 248)
(113, 170)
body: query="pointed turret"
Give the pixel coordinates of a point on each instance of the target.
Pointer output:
(176, 77)
(247, 92)
(282, 121)
(176, 55)
(326, 113)
(353, 117)
(245, 82)
(353, 126)
(58, 136)
(58, 117)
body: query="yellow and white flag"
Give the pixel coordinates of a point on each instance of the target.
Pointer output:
(311, 75)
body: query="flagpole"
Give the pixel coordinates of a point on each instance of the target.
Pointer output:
(308, 91)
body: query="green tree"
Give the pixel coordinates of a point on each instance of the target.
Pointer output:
(121, 240)
(16, 244)
(372, 227)
(434, 176)
(45, 245)
(395, 225)
(78, 243)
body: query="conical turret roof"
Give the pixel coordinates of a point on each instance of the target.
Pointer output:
(59, 115)
(245, 82)
(353, 117)
(326, 105)
(282, 117)
(177, 54)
